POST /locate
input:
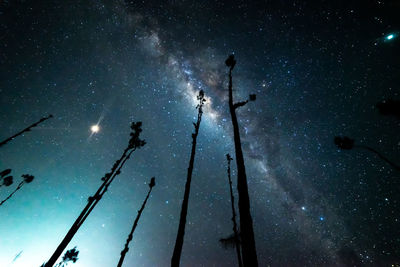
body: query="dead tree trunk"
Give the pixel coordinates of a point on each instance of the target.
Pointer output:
(246, 223)
(235, 231)
(176, 257)
(129, 239)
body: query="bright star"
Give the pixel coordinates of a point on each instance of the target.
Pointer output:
(95, 128)
(390, 37)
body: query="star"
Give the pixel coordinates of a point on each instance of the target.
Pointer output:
(95, 128)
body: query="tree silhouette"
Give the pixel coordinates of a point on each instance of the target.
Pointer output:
(176, 257)
(346, 143)
(134, 143)
(389, 107)
(235, 239)
(5, 178)
(246, 223)
(70, 255)
(7, 181)
(229, 241)
(27, 129)
(129, 239)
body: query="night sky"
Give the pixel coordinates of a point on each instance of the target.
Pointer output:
(318, 69)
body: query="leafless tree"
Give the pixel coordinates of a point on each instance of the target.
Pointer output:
(249, 253)
(134, 143)
(176, 257)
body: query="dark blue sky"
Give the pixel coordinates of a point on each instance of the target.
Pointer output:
(318, 69)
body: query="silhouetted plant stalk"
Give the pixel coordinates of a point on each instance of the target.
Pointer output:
(129, 239)
(27, 179)
(176, 257)
(134, 143)
(234, 228)
(249, 254)
(27, 129)
(346, 143)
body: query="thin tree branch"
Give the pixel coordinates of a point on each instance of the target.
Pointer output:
(27, 129)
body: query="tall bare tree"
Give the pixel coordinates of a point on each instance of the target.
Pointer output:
(246, 223)
(234, 228)
(176, 257)
(134, 143)
(346, 143)
(129, 239)
(27, 129)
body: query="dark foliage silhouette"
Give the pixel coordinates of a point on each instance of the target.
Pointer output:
(7, 181)
(176, 257)
(70, 255)
(27, 129)
(226, 242)
(347, 143)
(129, 239)
(249, 254)
(5, 172)
(134, 143)
(5, 178)
(389, 108)
(229, 241)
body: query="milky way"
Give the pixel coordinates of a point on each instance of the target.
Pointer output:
(317, 70)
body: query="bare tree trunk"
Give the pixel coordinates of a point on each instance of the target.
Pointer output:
(126, 248)
(176, 257)
(235, 231)
(27, 129)
(246, 223)
(134, 143)
(394, 165)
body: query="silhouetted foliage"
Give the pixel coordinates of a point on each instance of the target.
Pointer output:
(228, 242)
(134, 143)
(70, 255)
(347, 143)
(249, 254)
(28, 178)
(27, 129)
(176, 257)
(7, 181)
(5, 172)
(5, 178)
(389, 108)
(129, 239)
(230, 62)
(344, 142)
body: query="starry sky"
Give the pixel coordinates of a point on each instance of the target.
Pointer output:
(318, 69)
